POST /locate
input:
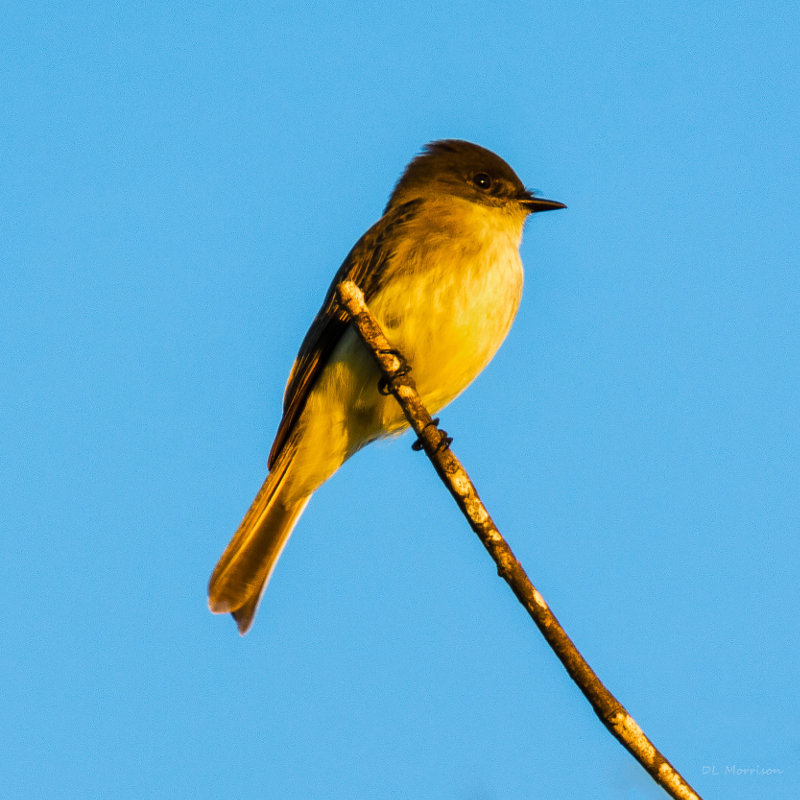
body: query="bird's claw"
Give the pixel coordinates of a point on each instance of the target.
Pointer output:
(384, 384)
(444, 440)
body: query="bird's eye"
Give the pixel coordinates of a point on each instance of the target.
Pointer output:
(482, 181)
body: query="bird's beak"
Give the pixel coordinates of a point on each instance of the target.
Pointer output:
(533, 204)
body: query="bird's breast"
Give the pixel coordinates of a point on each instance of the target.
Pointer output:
(450, 305)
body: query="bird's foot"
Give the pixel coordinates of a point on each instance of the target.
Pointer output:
(384, 384)
(444, 440)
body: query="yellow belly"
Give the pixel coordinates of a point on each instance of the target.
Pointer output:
(449, 322)
(447, 309)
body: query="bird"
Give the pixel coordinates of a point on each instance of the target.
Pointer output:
(442, 274)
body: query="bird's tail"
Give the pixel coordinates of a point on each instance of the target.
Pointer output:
(242, 573)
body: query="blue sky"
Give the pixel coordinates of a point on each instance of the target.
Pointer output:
(178, 184)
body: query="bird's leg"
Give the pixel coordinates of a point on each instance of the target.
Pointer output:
(403, 369)
(444, 440)
(385, 388)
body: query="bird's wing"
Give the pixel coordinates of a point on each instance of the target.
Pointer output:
(365, 265)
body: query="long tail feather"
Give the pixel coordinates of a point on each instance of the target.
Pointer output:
(242, 573)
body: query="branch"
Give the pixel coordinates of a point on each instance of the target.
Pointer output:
(436, 445)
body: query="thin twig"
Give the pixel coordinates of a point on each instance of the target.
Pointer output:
(436, 445)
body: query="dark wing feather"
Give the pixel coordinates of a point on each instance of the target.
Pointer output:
(365, 265)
